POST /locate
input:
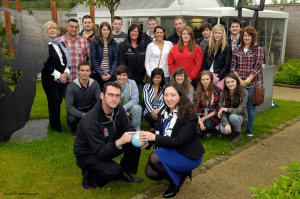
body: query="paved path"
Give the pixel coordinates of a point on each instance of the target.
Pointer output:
(258, 164)
(286, 93)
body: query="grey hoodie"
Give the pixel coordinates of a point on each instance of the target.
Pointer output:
(131, 94)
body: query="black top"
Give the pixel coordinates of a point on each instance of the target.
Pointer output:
(184, 138)
(174, 38)
(53, 63)
(134, 59)
(229, 42)
(221, 61)
(97, 134)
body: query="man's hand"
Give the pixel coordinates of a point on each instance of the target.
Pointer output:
(143, 147)
(126, 137)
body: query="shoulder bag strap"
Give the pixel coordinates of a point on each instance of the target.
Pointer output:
(262, 76)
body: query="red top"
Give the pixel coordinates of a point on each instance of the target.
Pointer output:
(192, 62)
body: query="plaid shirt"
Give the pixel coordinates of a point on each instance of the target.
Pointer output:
(214, 107)
(234, 44)
(79, 51)
(243, 63)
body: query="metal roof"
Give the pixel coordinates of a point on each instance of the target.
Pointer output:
(126, 5)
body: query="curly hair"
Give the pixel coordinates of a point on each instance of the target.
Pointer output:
(237, 97)
(185, 106)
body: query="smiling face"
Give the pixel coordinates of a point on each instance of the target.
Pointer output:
(52, 32)
(235, 28)
(72, 29)
(105, 32)
(117, 25)
(179, 78)
(231, 84)
(247, 38)
(84, 72)
(156, 79)
(159, 34)
(122, 78)
(218, 35)
(87, 24)
(134, 34)
(205, 81)
(186, 36)
(171, 97)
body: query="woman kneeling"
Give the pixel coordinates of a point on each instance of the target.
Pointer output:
(179, 150)
(233, 108)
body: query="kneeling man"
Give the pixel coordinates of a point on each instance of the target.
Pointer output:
(129, 95)
(104, 133)
(81, 96)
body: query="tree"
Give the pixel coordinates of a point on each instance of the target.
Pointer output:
(228, 2)
(111, 5)
(274, 2)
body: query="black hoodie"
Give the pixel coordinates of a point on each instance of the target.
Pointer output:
(174, 38)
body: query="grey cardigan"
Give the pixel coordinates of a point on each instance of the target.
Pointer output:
(240, 110)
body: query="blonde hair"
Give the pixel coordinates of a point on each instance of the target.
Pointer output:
(211, 46)
(191, 45)
(53, 25)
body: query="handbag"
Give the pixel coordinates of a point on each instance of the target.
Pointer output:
(259, 92)
(147, 79)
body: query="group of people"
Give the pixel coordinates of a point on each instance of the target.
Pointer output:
(184, 88)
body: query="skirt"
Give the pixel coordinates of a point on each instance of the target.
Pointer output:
(175, 163)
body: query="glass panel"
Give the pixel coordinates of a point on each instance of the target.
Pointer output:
(270, 37)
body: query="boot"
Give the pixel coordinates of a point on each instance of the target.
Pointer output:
(237, 137)
(87, 182)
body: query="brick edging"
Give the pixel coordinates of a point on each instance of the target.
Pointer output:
(286, 85)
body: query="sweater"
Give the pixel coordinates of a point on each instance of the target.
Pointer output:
(192, 62)
(131, 94)
(78, 100)
(152, 58)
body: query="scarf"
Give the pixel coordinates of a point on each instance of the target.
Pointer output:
(169, 116)
(59, 43)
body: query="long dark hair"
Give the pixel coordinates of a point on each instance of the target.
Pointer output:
(132, 27)
(201, 91)
(110, 37)
(237, 97)
(158, 71)
(185, 106)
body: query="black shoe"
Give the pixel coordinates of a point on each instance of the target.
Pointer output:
(129, 178)
(171, 194)
(249, 133)
(74, 134)
(87, 183)
(237, 137)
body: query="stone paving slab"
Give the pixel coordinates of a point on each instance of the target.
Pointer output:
(33, 130)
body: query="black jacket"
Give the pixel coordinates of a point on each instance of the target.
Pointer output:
(147, 39)
(96, 134)
(134, 59)
(229, 42)
(53, 63)
(221, 61)
(173, 38)
(184, 138)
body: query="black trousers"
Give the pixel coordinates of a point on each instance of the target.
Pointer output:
(101, 82)
(210, 125)
(54, 92)
(72, 122)
(103, 171)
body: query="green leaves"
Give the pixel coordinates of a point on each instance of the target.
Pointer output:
(289, 72)
(285, 187)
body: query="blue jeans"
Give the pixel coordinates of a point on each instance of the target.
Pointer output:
(149, 118)
(251, 108)
(235, 121)
(140, 87)
(167, 80)
(135, 116)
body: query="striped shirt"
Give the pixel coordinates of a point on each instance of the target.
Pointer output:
(105, 61)
(149, 98)
(79, 51)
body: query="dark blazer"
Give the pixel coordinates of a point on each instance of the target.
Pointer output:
(221, 60)
(53, 63)
(134, 59)
(184, 138)
(96, 56)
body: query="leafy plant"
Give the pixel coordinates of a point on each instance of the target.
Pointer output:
(285, 187)
(289, 72)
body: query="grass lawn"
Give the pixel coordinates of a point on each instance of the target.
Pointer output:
(48, 167)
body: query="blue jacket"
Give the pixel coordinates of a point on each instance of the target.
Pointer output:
(96, 55)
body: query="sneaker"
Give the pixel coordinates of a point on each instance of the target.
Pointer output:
(249, 133)
(74, 134)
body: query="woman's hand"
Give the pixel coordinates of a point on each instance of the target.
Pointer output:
(108, 76)
(216, 80)
(154, 114)
(221, 112)
(202, 127)
(243, 83)
(203, 119)
(147, 136)
(103, 77)
(227, 129)
(63, 77)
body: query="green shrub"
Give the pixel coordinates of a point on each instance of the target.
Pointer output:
(289, 72)
(62, 31)
(285, 187)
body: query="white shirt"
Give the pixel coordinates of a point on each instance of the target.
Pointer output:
(55, 73)
(152, 58)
